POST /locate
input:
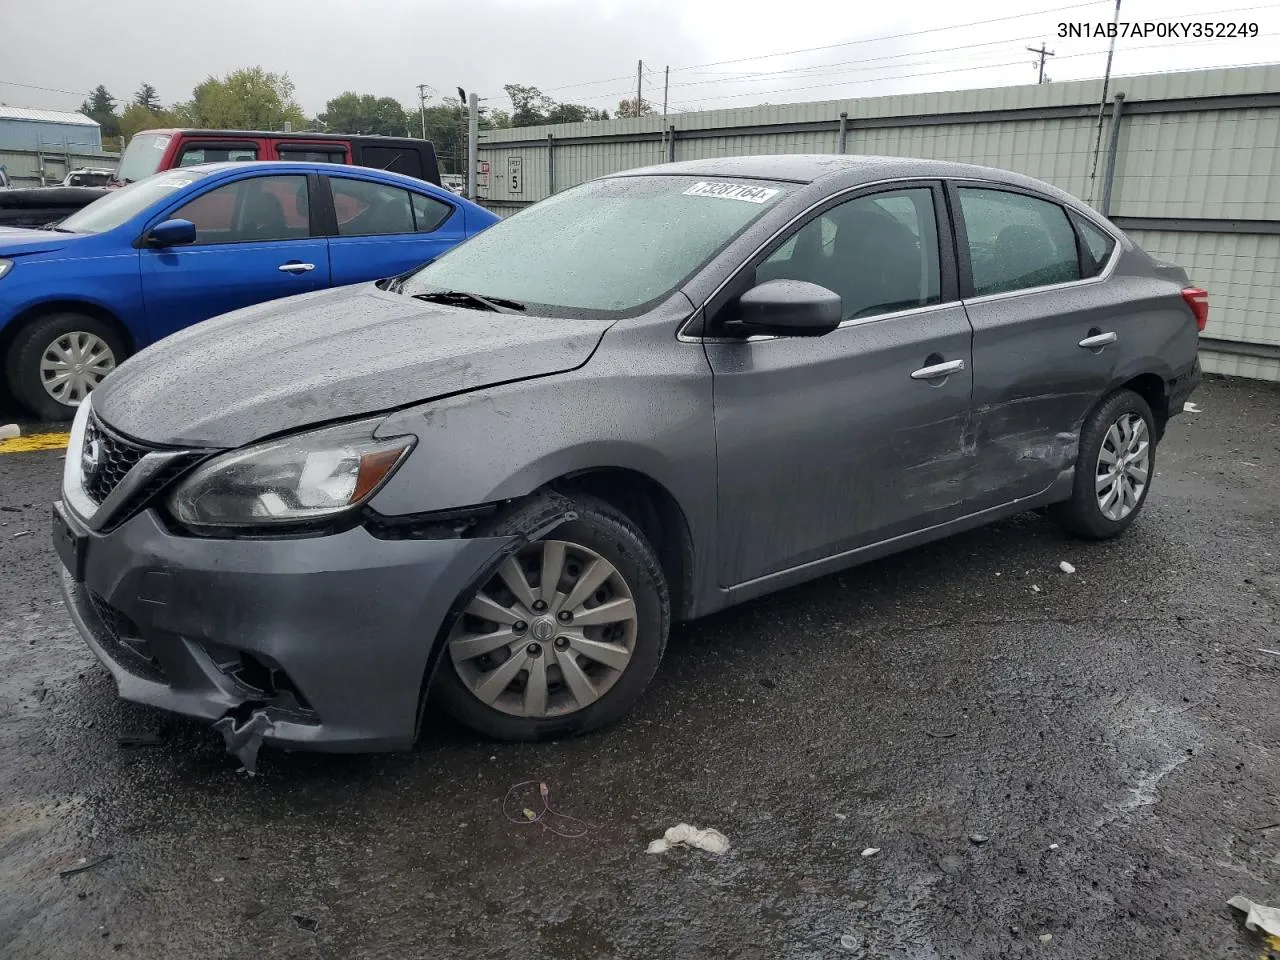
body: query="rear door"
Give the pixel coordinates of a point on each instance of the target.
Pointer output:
(254, 242)
(1045, 332)
(826, 444)
(381, 229)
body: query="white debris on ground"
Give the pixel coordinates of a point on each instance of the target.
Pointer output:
(1190, 407)
(870, 851)
(10, 431)
(1053, 846)
(1257, 916)
(712, 841)
(1035, 588)
(1066, 567)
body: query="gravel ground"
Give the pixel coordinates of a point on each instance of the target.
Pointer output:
(1088, 770)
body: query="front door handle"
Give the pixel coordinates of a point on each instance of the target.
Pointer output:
(293, 266)
(1098, 341)
(937, 370)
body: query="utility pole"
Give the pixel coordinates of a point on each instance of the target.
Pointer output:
(1042, 53)
(639, 82)
(422, 106)
(473, 143)
(666, 83)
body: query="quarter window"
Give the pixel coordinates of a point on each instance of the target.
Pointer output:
(429, 213)
(368, 209)
(254, 209)
(879, 252)
(1098, 245)
(1016, 242)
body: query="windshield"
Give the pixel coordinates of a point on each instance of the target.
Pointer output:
(120, 205)
(606, 247)
(142, 156)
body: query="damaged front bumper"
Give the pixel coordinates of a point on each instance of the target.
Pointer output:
(313, 643)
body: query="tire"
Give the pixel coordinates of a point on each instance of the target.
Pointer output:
(1084, 514)
(59, 331)
(599, 533)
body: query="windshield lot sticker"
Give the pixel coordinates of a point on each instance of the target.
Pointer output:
(731, 191)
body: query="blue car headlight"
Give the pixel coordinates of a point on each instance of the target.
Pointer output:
(5, 267)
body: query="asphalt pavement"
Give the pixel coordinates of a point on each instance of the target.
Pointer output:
(1087, 769)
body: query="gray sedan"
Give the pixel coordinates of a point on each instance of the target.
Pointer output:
(497, 480)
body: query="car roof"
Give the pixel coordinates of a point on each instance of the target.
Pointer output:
(224, 165)
(850, 169)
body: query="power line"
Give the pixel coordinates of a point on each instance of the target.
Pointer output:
(32, 86)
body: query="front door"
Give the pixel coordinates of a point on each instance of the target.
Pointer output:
(1044, 335)
(826, 444)
(253, 243)
(384, 230)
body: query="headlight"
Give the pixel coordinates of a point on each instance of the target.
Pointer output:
(303, 477)
(5, 267)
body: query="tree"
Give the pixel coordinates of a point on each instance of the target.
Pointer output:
(364, 113)
(529, 105)
(246, 99)
(147, 98)
(574, 113)
(498, 119)
(137, 118)
(101, 107)
(627, 108)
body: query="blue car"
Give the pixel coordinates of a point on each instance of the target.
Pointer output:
(191, 243)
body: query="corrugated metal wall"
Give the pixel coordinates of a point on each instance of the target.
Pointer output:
(1196, 152)
(42, 134)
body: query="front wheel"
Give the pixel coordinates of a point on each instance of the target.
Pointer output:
(564, 636)
(57, 360)
(1114, 471)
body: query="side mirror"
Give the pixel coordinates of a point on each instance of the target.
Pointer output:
(171, 233)
(787, 308)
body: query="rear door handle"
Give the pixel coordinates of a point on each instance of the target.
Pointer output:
(294, 266)
(938, 370)
(1098, 341)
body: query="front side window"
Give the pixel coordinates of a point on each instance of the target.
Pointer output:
(368, 209)
(254, 209)
(1016, 242)
(210, 154)
(604, 248)
(879, 252)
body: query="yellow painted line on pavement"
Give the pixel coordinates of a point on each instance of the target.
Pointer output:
(35, 441)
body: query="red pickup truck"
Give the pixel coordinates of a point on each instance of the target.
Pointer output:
(154, 150)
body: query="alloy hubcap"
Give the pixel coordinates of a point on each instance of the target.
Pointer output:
(548, 634)
(73, 364)
(1124, 467)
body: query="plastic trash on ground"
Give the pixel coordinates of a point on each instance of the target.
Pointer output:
(1066, 567)
(682, 834)
(1258, 917)
(10, 431)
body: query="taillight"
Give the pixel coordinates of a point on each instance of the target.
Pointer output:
(1198, 301)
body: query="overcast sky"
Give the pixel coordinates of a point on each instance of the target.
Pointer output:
(585, 51)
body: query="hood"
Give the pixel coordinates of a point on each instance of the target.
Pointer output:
(18, 241)
(324, 356)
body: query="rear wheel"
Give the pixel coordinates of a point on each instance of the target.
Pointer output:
(1115, 469)
(564, 636)
(57, 360)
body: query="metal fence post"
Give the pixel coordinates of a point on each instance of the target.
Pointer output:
(551, 164)
(844, 130)
(1113, 146)
(671, 144)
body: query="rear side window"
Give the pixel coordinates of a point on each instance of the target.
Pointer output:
(367, 209)
(396, 159)
(429, 213)
(1017, 242)
(1097, 243)
(312, 154)
(255, 209)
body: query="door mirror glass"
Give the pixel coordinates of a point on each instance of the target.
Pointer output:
(787, 308)
(172, 233)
